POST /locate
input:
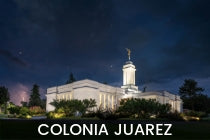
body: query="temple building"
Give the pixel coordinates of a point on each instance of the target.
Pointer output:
(107, 96)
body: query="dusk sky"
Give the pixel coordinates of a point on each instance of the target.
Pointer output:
(43, 41)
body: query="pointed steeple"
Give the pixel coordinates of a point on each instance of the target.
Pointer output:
(129, 74)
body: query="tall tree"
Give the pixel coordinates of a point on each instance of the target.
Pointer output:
(71, 79)
(189, 89)
(35, 99)
(191, 95)
(4, 97)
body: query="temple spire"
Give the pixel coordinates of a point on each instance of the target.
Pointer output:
(129, 53)
(129, 75)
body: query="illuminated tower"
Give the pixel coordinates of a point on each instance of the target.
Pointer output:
(129, 75)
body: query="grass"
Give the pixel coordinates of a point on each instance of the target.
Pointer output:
(206, 119)
(3, 115)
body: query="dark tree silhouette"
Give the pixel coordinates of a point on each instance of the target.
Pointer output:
(189, 89)
(192, 96)
(4, 98)
(35, 99)
(71, 79)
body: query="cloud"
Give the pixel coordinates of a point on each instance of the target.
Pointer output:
(172, 85)
(13, 58)
(168, 39)
(19, 92)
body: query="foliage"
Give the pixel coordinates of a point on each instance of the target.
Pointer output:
(4, 97)
(193, 98)
(14, 110)
(175, 116)
(35, 99)
(189, 118)
(89, 104)
(106, 114)
(196, 114)
(25, 113)
(142, 108)
(36, 110)
(189, 88)
(73, 107)
(55, 115)
(71, 79)
(43, 103)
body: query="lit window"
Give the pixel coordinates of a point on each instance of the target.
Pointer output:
(100, 96)
(112, 102)
(104, 100)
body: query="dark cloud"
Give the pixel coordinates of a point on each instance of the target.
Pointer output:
(13, 58)
(169, 41)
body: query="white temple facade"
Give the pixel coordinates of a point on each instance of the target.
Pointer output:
(107, 96)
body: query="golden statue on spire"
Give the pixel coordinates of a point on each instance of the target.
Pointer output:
(129, 53)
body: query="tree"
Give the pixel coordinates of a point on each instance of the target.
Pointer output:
(4, 98)
(43, 104)
(70, 107)
(35, 99)
(189, 89)
(71, 79)
(201, 102)
(89, 104)
(142, 108)
(191, 95)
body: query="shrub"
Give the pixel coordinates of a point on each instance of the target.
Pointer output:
(36, 110)
(55, 115)
(90, 115)
(106, 114)
(74, 107)
(24, 113)
(172, 116)
(14, 110)
(142, 108)
(189, 118)
(196, 114)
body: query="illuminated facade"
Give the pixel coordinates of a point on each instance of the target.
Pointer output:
(108, 96)
(129, 77)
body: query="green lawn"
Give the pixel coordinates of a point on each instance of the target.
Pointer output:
(3, 116)
(27, 129)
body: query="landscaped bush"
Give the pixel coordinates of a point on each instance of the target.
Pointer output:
(56, 114)
(14, 110)
(24, 113)
(36, 110)
(90, 115)
(106, 114)
(196, 114)
(74, 107)
(189, 118)
(142, 108)
(191, 115)
(176, 116)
